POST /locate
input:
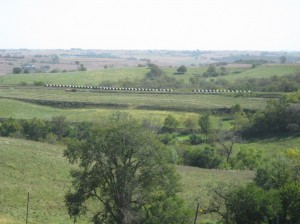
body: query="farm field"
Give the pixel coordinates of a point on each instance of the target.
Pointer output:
(23, 110)
(113, 75)
(265, 71)
(178, 102)
(77, 78)
(40, 169)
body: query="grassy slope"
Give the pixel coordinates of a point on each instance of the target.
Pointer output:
(188, 102)
(265, 71)
(22, 110)
(40, 169)
(77, 78)
(36, 168)
(115, 74)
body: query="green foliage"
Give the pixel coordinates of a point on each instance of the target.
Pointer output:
(277, 117)
(167, 138)
(9, 127)
(154, 72)
(124, 168)
(202, 157)
(182, 69)
(205, 125)
(251, 204)
(289, 196)
(293, 97)
(35, 129)
(275, 173)
(81, 67)
(274, 196)
(17, 70)
(246, 158)
(38, 83)
(282, 59)
(190, 123)
(59, 126)
(170, 124)
(195, 139)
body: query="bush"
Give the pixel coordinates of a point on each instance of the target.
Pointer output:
(166, 138)
(38, 83)
(246, 158)
(10, 127)
(17, 70)
(195, 139)
(204, 158)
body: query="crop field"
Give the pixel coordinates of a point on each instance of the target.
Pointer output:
(77, 78)
(265, 71)
(177, 102)
(40, 169)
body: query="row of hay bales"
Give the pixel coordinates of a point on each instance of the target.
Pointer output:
(108, 88)
(220, 91)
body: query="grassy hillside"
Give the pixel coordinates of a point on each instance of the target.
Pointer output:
(179, 102)
(116, 74)
(40, 169)
(77, 78)
(265, 71)
(21, 110)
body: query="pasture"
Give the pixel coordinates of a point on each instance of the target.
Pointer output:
(114, 75)
(188, 102)
(40, 169)
(22, 110)
(77, 78)
(265, 71)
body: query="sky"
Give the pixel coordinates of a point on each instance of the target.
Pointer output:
(267, 25)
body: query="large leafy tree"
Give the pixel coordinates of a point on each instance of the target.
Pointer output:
(124, 170)
(205, 125)
(182, 69)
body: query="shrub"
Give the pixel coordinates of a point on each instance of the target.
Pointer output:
(204, 158)
(195, 139)
(17, 70)
(246, 158)
(38, 83)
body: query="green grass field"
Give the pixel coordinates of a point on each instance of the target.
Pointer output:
(265, 71)
(133, 73)
(40, 169)
(21, 110)
(178, 102)
(77, 78)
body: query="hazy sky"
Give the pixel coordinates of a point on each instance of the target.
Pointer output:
(151, 24)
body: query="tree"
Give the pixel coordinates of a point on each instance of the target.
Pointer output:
(59, 126)
(204, 158)
(211, 71)
(274, 173)
(17, 70)
(189, 124)
(124, 169)
(250, 204)
(205, 125)
(35, 129)
(226, 139)
(282, 59)
(81, 67)
(182, 69)
(155, 71)
(9, 127)
(170, 124)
